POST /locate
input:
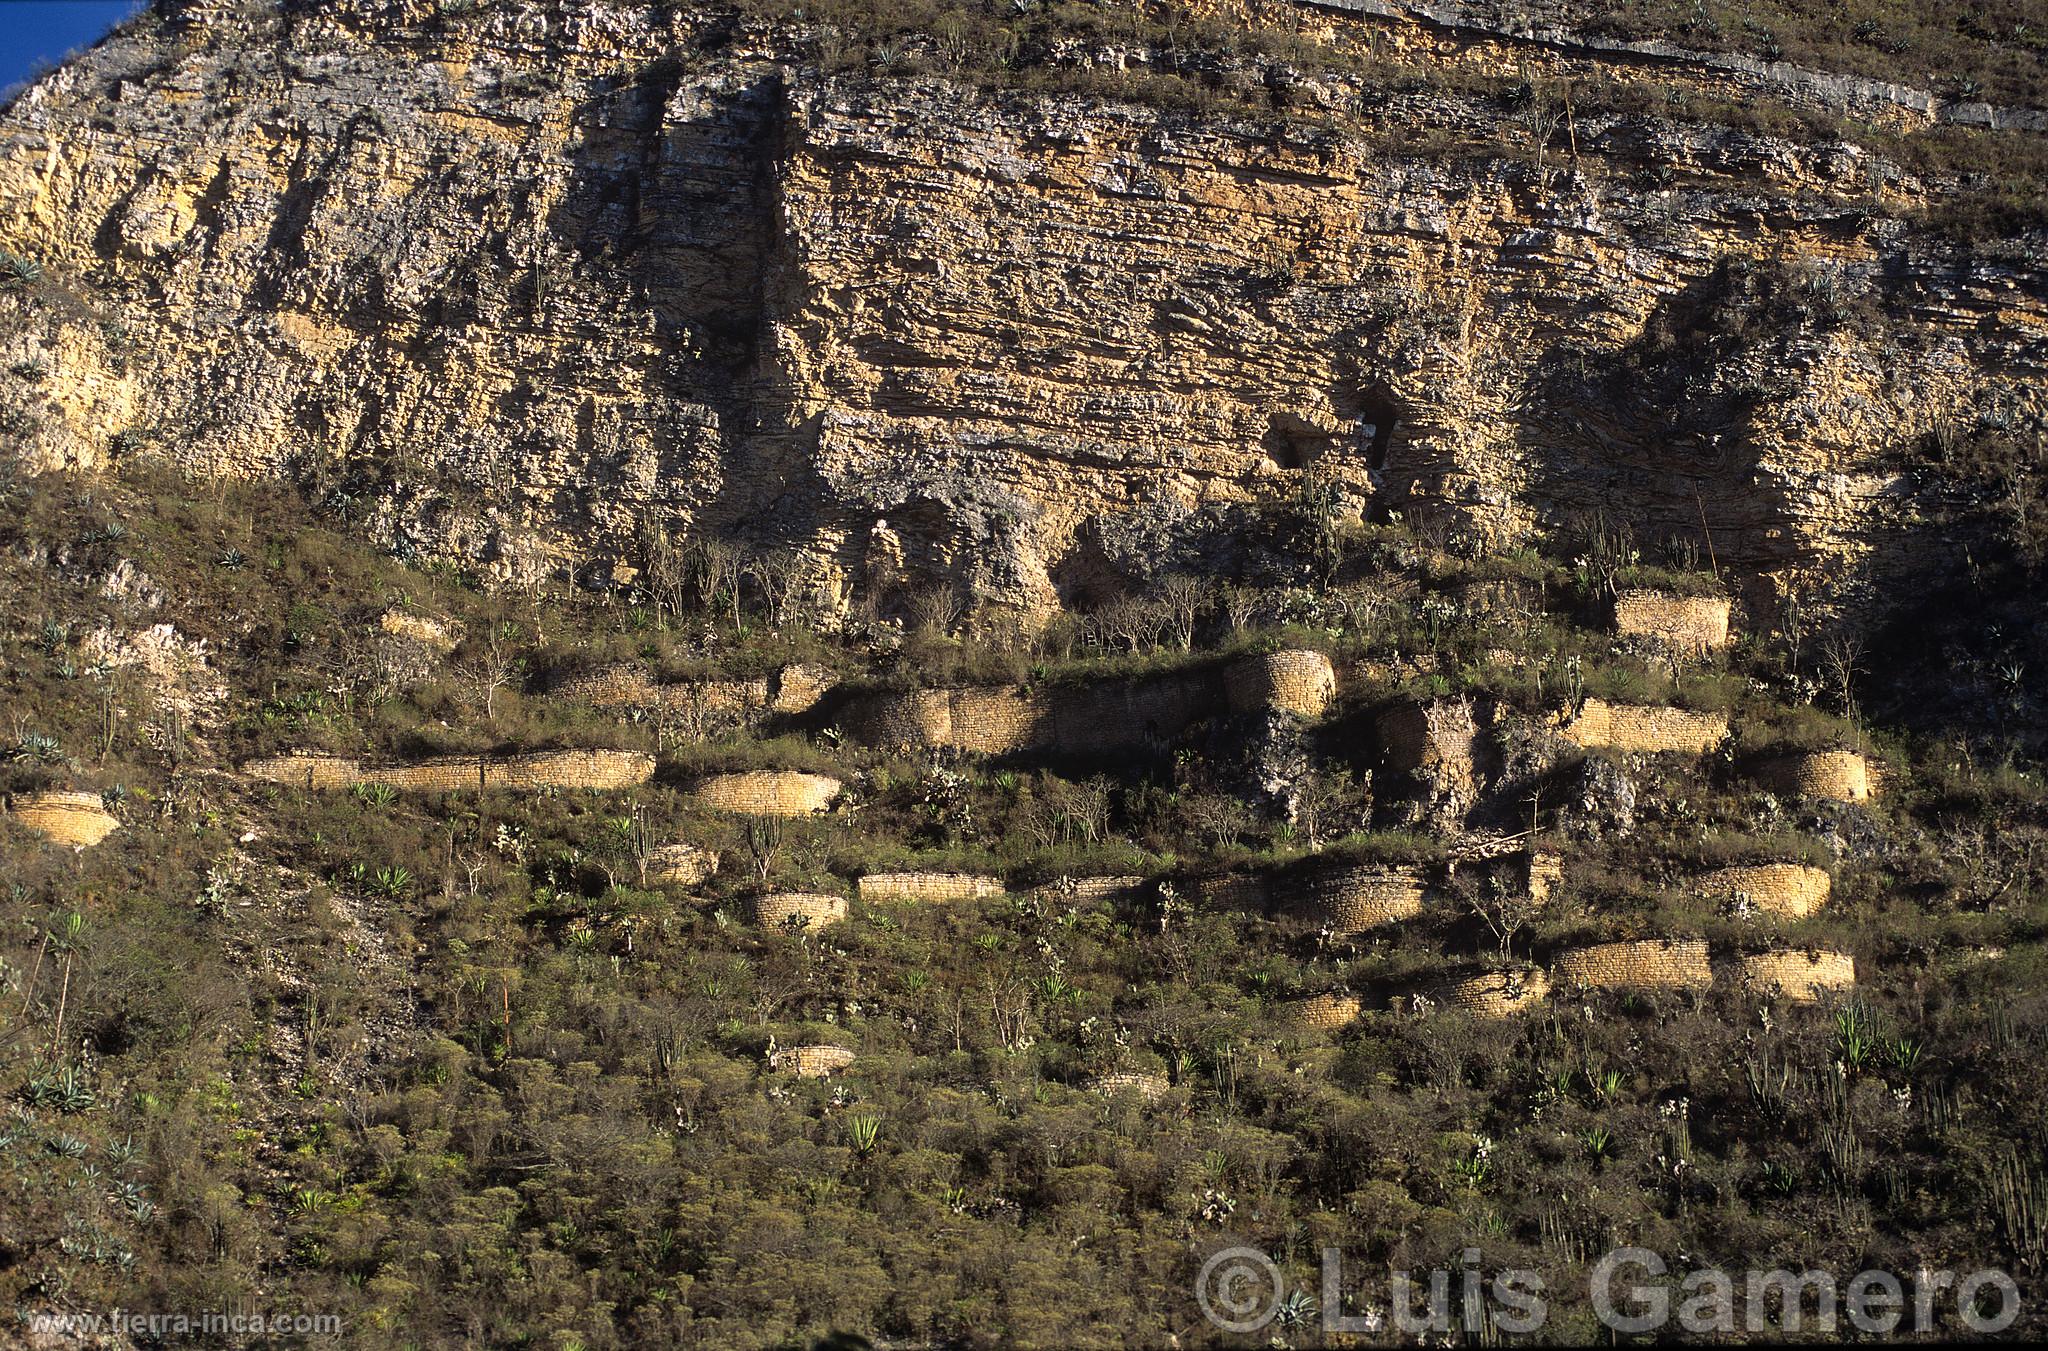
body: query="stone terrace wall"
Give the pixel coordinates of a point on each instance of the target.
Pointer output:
(815, 908)
(1009, 719)
(681, 865)
(301, 770)
(1841, 775)
(1149, 1087)
(1248, 892)
(1415, 738)
(929, 887)
(1656, 964)
(767, 792)
(1799, 976)
(1299, 682)
(1788, 890)
(1645, 729)
(1497, 994)
(1323, 1012)
(795, 689)
(1690, 624)
(68, 818)
(603, 770)
(811, 1062)
(1081, 890)
(1355, 900)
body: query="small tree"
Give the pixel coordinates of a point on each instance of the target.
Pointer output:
(1181, 596)
(493, 668)
(1504, 908)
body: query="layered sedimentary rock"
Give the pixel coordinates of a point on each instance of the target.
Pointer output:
(516, 282)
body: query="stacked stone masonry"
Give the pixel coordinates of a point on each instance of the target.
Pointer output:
(431, 633)
(798, 909)
(795, 689)
(1009, 720)
(1323, 1012)
(811, 1062)
(1088, 890)
(602, 770)
(767, 792)
(1655, 964)
(1784, 890)
(681, 865)
(1420, 738)
(928, 887)
(1843, 776)
(68, 818)
(1295, 681)
(1799, 976)
(1147, 1087)
(1497, 994)
(1692, 625)
(1645, 729)
(1355, 900)
(1544, 876)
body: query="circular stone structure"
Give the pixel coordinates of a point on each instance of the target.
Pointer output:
(767, 792)
(798, 909)
(80, 819)
(1297, 681)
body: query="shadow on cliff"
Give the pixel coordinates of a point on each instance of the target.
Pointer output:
(673, 192)
(1656, 433)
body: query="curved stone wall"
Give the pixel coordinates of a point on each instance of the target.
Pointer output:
(1355, 900)
(767, 792)
(1843, 776)
(681, 865)
(68, 818)
(1296, 681)
(1799, 975)
(1645, 728)
(1690, 624)
(929, 887)
(1147, 1087)
(1651, 964)
(305, 770)
(1323, 1012)
(1496, 994)
(1786, 890)
(602, 770)
(798, 909)
(811, 1062)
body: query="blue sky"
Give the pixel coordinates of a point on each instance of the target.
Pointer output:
(32, 31)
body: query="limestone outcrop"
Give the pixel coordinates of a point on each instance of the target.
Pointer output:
(518, 284)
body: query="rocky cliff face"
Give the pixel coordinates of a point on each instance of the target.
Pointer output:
(508, 286)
